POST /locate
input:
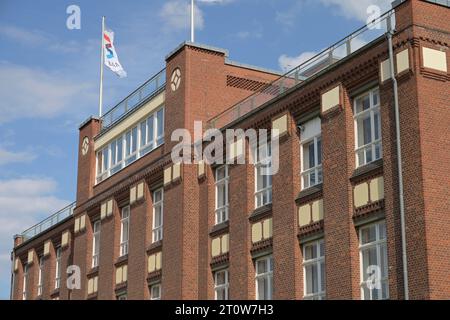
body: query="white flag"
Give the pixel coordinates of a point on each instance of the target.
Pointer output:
(111, 58)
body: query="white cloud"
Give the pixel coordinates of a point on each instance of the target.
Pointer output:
(36, 93)
(287, 63)
(356, 9)
(24, 202)
(7, 157)
(23, 36)
(176, 15)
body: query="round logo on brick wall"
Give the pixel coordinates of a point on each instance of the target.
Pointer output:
(175, 79)
(85, 146)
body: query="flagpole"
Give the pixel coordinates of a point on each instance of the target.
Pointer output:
(102, 62)
(192, 22)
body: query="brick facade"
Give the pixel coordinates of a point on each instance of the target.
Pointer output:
(210, 84)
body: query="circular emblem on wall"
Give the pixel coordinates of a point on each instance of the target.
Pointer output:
(175, 79)
(85, 146)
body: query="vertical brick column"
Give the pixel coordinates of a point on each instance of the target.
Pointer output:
(206, 222)
(109, 252)
(288, 277)
(242, 272)
(66, 260)
(341, 243)
(82, 257)
(139, 238)
(48, 276)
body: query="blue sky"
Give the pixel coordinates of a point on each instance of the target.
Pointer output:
(49, 76)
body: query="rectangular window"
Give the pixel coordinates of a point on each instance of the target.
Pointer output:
(95, 244)
(263, 175)
(367, 127)
(221, 284)
(155, 292)
(311, 153)
(264, 278)
(373, 260)
(58, 269)
(158, 212)
(122, 296)
(314, 270)
(40, 276)
(130, 146)
(160, 127)
(221, 194)
(24, 285)
(124, 230)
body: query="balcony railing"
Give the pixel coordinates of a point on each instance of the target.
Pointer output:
(49, 222)
(151, 87)
(323, 60)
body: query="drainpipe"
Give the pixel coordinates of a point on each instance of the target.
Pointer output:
(13, 259)
(390, 33)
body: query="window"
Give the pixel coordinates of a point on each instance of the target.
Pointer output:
(314, 270)
(40, 276)
(130, 146)
(155, 292)
(124, 230)
(158, 199)
(373, 258)
(263, 175)
(311, 153)
(221, 194)
(25, 280)
(264, 278)
(58, 269)
(122, 296)
(368, 127)
(221, 284)
(96, 244)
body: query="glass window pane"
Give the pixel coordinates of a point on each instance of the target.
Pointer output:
(143, 133)
(105, 159)
(160, 124)
(150, 130)
(368, 234)
(128, 143)
(261, 266)
(319, 151)
(133, 139)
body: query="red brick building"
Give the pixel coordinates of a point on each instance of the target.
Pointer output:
(330, 219)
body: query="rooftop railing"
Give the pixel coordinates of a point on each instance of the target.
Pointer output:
(323, 60)
(49, 222)
(144, 92)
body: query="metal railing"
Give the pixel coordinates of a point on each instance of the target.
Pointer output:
(147, 90)
(328, 57)
(49, 222)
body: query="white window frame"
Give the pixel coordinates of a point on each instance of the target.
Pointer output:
(40, 276)
(58, 268)
(371, 111)
(259, 163)
(154, 286)
(103, 172)
(220, 287)
(157, 231)
(124, 223)
(96, 228)
(221, 213)
(317, 169)
(24, 284)
(268, 276)
(378, 243)
(318, 261)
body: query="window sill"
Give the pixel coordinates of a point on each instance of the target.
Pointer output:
(220, 229)
(155, 247)
(93, 272)
(367, 171)
(261, 213)
(307, 195)
(121, 261)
